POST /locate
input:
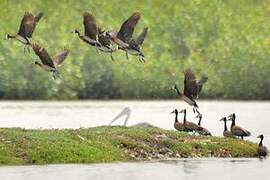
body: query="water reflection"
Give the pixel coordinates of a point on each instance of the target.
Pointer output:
(190, 169)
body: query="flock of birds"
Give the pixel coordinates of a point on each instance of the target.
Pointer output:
(111, 41)
(103, 41)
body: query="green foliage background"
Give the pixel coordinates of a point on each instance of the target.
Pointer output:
(228, 40)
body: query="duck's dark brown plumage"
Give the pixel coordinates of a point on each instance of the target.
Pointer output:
(124, 38)
(192, 88)
(90, 25)
(177, 125)
(43, 55)
(126, 31)
(188, 125)
(94, 35)
(47, 62)
(237, 130)
(202, 130)
(28, 25)
(226, 132)
(262, 150)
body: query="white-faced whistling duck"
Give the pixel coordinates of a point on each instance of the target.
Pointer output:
(27, 27)
(124, 38)
(236, 130)
(94, 36)
(177, 125)
(189, 126)
(201, 130)
(262, 150)
(192, 88)
(226, 132)
(47, 62)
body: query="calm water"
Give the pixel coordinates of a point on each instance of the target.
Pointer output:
(35, 115)
(190, 169)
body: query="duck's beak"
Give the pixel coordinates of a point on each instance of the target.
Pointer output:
(259, 136)
(172, 112)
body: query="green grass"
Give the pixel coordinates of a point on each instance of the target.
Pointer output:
(112, 143)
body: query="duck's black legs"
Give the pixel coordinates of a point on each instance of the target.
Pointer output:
(141, 59)
(112, 58)
(126, 55)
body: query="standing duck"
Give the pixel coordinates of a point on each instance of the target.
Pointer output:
(177, 125)
(94, 36)
(226, 132)
(124, 38)
(47, 62)
(27, 27)
(192, 88)
(201, 130)
(188, 125)
(237, 130)
(262, 150)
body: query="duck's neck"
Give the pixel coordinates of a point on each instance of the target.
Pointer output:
(233, 122)
(225, 125)
(176, 117)
(177, 91)
(260, 144)
(199, 123)
(184, 120)
(10, 36)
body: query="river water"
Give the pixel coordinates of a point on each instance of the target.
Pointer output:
(251, 115)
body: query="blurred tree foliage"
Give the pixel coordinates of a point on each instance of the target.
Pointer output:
(226, 39)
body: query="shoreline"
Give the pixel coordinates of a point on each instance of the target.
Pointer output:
(113, 144)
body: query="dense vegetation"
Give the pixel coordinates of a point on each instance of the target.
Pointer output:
(226, 39)
(107, 144)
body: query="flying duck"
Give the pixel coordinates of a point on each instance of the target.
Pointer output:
(27, 27)
(262, 150)
(124, 38)
(94, 36)
(49, 63)
(177, 125)
(237, 130)
(192, 88)
(226, 132)
(201, 130)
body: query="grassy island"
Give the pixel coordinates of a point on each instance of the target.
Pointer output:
(112, 143)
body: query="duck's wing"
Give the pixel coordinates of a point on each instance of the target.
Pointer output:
(190, 84)
(127, 28)
(139, 40)
(59, 59)
(43, 55)
(27, 25)
(90, 26)
(200, 83)
(38, 17)
(237, 130)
